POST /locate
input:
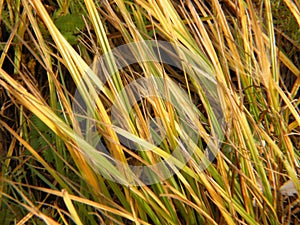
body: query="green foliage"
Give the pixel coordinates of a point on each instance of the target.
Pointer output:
(70, 26)
(285, 21)
(41, 137)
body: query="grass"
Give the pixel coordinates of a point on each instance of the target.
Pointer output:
(81, 132)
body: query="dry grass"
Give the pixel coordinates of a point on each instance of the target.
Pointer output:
(53, 173)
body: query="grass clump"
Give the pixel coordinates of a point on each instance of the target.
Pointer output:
(202, 78)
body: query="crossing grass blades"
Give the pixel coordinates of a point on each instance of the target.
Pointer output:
(52, 174)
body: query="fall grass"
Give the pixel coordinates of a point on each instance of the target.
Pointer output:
(51, 173)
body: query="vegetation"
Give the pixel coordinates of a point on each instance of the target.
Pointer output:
(233, 86)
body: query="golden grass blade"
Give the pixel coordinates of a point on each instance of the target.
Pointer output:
(119, 211)
(55, 124)
(71, 207)
(35, 154)
(30, 207)
(199, 209)
(288, 103)
(294, 10)
(78, 70)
